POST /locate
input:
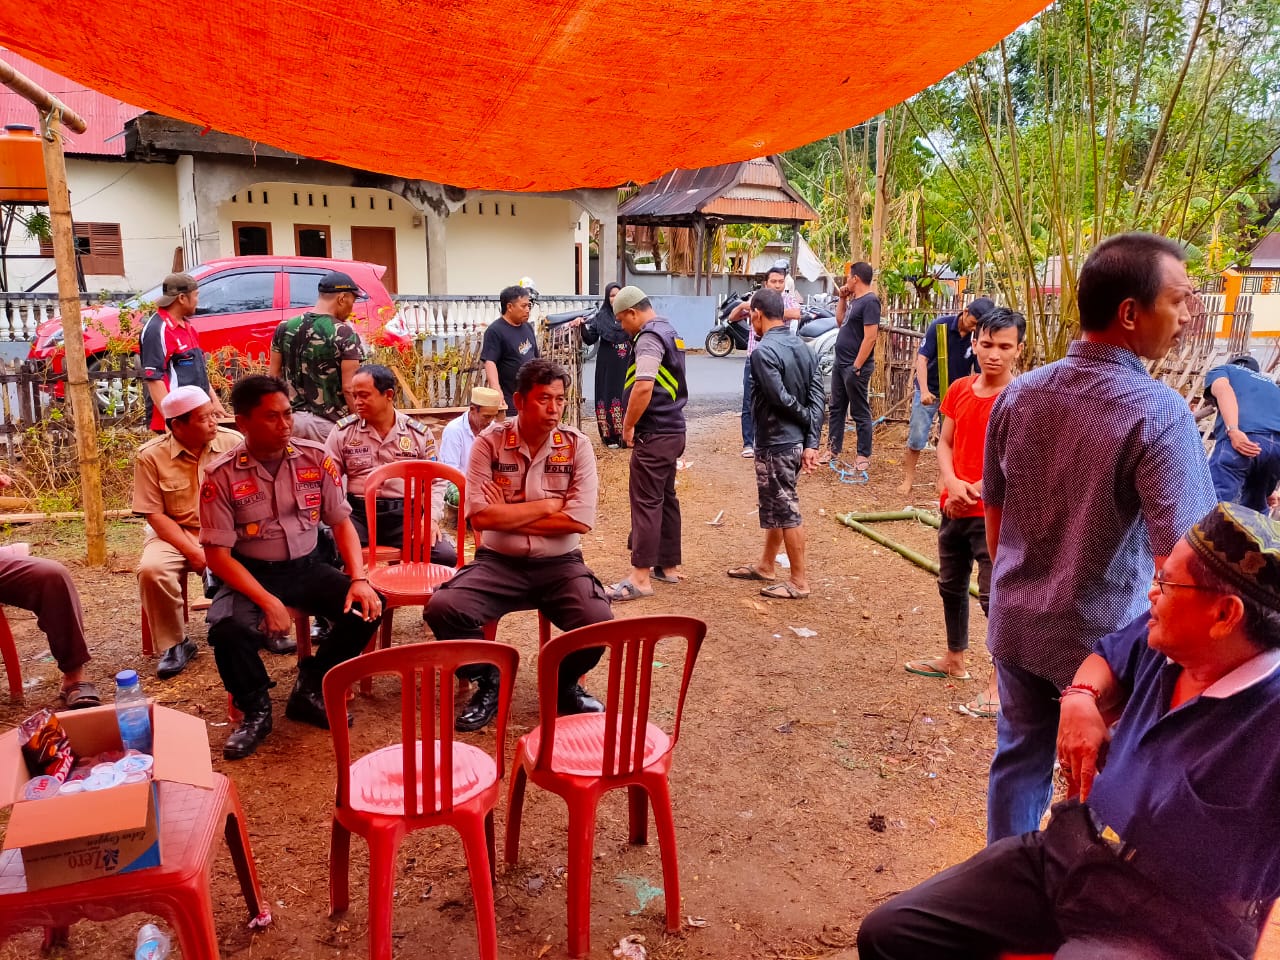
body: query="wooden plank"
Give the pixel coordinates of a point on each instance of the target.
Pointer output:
(68, 515)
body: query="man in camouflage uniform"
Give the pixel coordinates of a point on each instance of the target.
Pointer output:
(317, 354)
(261, 506)
(376, 434)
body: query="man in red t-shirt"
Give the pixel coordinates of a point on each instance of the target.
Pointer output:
(170, 349)
(962, 537)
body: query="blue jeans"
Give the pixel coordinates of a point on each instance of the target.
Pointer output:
(922, 417)
(1246, 480)
(1021, 782)
(748, 425)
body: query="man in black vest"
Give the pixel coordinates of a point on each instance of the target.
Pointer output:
(653, 427)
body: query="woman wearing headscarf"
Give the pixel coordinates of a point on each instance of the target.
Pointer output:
(611, 366)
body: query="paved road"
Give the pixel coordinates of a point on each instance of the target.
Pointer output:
(715, 384)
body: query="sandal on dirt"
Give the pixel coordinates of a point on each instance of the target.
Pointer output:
(847, 473)
(79, 695)
(748, 572)
(862, 464)
(929, 668)
(980, 708)
(625, 590)
(784, 591)
(660, 574)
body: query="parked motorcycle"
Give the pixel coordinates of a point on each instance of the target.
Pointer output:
(724, 336)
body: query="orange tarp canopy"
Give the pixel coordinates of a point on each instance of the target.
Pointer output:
(532, 95)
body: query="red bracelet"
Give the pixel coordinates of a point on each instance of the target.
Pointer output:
(1083, 688)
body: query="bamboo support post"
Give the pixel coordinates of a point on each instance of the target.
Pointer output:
(855, 522)
(53, 114)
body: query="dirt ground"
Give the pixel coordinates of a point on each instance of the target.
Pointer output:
(813, 779)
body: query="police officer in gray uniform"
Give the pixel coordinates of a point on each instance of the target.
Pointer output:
(531, 489)
(261, 506)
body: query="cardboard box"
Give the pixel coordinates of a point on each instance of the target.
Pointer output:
(84, 836)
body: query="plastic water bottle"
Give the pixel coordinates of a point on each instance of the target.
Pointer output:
(131, 712)
(153, 944)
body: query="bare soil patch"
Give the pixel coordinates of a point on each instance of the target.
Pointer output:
(814, 777)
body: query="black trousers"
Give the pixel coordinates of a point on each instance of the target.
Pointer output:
(1060, 891)
(852, 392)
(493, 585)
(308, 584)
(962, 541)
(391, 528)
(655, 509)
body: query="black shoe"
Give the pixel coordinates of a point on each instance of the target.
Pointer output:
(253, 728)
(576, 700)
(306, 704)
(176, 658)
(480, 710)
(281, 645)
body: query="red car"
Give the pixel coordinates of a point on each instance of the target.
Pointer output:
(242, 299)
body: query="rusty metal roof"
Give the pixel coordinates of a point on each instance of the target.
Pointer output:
(106, 116)
(753, 191)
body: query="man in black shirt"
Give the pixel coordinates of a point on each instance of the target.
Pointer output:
(858, 316)
(509, 342)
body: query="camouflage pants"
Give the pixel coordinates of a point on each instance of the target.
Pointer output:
(776, 472)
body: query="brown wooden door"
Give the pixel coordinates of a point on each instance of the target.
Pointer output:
(377, 245)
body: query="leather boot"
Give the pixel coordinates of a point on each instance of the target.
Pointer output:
(481, 709)
(253, 728)
(306, 702)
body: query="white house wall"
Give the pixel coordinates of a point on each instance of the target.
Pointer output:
(370, 210)
(490, 248)
(141, 197)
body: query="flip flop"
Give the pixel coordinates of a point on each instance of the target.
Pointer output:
(849, 474)
(783, 591)
(625, 590)
(660, 574)
(980, 708)
(924, 668)
(862, 464)
(79, 695)
(748, 572)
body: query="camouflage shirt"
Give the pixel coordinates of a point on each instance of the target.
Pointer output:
(312, 348)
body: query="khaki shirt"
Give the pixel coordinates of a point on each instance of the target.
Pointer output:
(565, 466)
(167, 477)
(271, 518)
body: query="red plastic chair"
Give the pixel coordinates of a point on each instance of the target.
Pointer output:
(12, 664)
(582, 757)
(410, 581)
(191, 820)
(457, 784)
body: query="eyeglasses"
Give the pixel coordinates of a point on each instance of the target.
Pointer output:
(1159, 581)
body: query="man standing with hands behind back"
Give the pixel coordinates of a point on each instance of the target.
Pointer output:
(858, 316)
(787, 403)
(653, 427)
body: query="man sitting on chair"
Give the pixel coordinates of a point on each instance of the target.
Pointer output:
(1172, 851)
(166, 491)
(531, 488)
(378, 433)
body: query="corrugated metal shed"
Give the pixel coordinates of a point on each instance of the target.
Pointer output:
(753, 191)
(105, 115)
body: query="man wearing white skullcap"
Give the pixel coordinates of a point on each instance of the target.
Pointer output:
(166, 485)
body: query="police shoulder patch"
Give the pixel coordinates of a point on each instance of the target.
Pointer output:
(418, 426)
(347, 421)
(512, 441)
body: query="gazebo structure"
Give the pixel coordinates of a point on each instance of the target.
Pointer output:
(752, 191)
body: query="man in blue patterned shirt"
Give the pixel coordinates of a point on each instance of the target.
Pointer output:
(1093, 472)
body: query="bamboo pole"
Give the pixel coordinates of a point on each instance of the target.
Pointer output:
(53, 113)
(83, 413)
(919, 559)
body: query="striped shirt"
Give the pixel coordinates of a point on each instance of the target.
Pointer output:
(1097, 468)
